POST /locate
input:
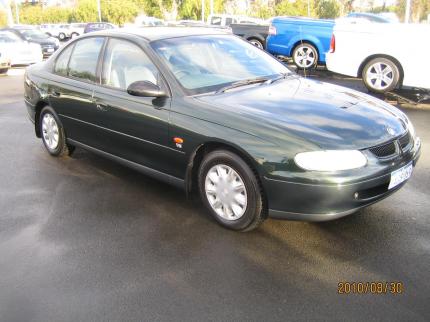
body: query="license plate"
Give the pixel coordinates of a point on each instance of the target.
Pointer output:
(400, 175)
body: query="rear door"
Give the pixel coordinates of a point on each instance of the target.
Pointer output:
(134, 128)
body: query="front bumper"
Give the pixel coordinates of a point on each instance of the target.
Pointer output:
(323, 202)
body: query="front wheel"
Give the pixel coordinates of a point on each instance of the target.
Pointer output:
(381, 75)
(230, 191)
(305, 56)
(52, 133)
(62, 36)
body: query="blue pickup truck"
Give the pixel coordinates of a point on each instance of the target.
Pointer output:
(305, 40)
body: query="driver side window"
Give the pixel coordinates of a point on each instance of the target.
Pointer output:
(126, 63)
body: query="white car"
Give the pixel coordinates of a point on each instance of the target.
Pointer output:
(76, 29)
(60, 31)
(20, 52)
(4, 62)
(385, 56)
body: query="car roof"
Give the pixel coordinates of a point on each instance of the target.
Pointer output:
(157, 33)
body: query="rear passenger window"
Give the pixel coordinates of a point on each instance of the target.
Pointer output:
(83, 63)
(62, 61)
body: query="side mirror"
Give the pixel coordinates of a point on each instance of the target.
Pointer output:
(145, 89)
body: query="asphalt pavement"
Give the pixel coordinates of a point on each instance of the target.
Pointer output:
(85, 239)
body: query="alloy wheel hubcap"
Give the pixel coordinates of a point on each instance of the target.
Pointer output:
(380, 76)
(50, 131)
(305, 57)
(256, 44)
(226, 192)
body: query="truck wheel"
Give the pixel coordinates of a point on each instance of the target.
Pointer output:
(381, 75)
(305, 56)
(256, 42)
(230, 191)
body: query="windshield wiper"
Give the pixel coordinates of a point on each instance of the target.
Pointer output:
(243, 83)
(279, 77)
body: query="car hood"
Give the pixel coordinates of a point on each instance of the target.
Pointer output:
(325, 115)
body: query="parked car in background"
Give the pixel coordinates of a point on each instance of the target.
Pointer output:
(208, 112)
(372, 17)
(305, 40)
(386, 57)
(77, 29)
(60, 31)
(144, 21)
(256, 34)
(19, 51)
(225, 20)
(96, 26)
(4, 60)
(48, 44)
(188, 23)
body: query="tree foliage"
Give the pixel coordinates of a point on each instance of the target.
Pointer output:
(192, 9)
(327, 9)
(294, 8)
(3, 18)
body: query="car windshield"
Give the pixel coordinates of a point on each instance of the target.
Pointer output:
(34, 34)
(206, 63)
(8, 37)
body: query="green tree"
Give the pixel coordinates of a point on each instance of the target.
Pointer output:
(192, 9)
(119, 11)
(296, 8)
(86, 11)
(327, 9)
(3, 18)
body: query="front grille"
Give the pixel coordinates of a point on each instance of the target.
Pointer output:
(384, 151)
(393, 148)
(405, 141)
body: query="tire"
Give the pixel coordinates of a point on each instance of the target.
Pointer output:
(305, 56)
(52, 133)
(380, 75)
(256, 42)
(242, 211)
(62, 36)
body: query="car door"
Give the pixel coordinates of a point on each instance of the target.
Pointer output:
(72, 87)
(135, 128)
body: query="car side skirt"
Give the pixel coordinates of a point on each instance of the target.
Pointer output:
(179, 183)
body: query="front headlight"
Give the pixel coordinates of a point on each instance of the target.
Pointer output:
(330, 160)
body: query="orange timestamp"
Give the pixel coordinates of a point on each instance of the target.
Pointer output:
(376, 287)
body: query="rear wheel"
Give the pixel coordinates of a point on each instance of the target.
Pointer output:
(305, 56)
(62, 36)
(230, 190)
(256, 42)
(52, 133)
(381, 75)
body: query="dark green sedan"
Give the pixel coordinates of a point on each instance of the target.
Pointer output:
(208, 112)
